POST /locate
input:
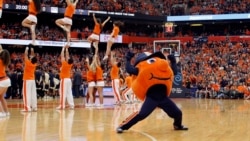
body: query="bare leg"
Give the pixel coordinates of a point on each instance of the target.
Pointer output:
(100, 93)
(108, 50)
(247, 97)
(95, 44)
(94, 92)
(26, 23)
(87, 98)
(33, 33)
(60, 23)
(2, 100)
(68, 29)
(91, 99)
(31, 25)
(90, 40)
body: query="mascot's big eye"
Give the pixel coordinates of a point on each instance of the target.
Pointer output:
(151, 60)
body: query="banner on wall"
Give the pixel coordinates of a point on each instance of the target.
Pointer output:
(107, 91)
(178, 91)
(201, 39)
(105, 37)
(83, 44)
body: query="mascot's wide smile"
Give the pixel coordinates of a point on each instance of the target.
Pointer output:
(159, 78)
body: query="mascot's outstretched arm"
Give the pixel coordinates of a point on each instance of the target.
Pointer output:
(130, 68)
(172, 60)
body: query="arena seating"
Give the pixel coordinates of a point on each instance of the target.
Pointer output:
(156, 7)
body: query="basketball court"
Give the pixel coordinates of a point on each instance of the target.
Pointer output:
(207, 119)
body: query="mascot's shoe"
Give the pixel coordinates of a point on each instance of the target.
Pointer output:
(180, 127)
(119, 130)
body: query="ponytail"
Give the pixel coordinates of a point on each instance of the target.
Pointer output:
(5, 57)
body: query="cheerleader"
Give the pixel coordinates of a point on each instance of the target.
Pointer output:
(1, 8)
(4, 80)
(112, 37)
(66, 22)
(99, 79)
(91, 82)
(31, 21)
(95, 36)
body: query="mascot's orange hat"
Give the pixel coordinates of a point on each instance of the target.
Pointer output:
(146, 55)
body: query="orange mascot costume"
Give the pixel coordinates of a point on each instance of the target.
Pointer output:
(152, 85)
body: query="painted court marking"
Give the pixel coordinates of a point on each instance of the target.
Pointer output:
(145, 134)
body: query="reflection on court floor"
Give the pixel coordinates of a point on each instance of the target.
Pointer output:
(207, 119)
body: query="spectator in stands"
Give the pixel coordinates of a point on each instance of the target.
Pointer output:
(199, 92)
(95, 36)
(223, 83)
(39, 84)
(12, 90)
(66, 22)
(4, 80)
(77, 82)
(45, 83)
(51, 91)
(188, 86)
(19, 79)
(31, 20)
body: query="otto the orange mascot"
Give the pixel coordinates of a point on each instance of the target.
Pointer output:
(152, 85)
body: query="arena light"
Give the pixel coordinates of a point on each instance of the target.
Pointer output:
(208, 17)
(196, 25)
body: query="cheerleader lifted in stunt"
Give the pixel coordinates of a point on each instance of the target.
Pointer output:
(112, 38)
(95, 36)
(66, 22)
(31, 21)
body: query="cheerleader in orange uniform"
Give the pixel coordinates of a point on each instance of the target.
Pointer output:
(66, 22)
(99, 79)
(114, 73)
(31, 21)
(242, 89)
(65, 90)
(29, 83)
(91, 82)
(4, 80)
(128, 92)
(215, 89)
(95, 36)
(1, 8)
(113, 36)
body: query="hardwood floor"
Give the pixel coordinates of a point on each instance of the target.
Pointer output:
(207, 119)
